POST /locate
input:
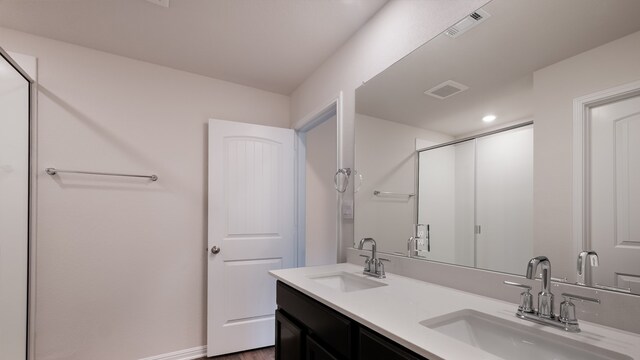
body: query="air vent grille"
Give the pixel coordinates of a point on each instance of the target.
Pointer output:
(476, 16)
(467, 23)
(446, 89)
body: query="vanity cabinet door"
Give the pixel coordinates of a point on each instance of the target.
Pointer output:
(335, 330)
(315, 351)
(373, 346)
(289, 338)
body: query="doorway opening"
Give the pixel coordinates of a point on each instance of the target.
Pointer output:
(319, 155)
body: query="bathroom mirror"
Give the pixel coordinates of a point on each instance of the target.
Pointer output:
(512, 134)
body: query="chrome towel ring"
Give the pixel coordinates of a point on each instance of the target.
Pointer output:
(346, 172)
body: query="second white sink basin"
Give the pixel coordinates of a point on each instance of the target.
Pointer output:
(510, 340)
(346, 282)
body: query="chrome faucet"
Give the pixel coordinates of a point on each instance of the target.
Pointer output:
(545, 297)
(373, 246)
(373, 266)
(544, 315)
(586, 261)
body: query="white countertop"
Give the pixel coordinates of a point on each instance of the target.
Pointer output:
(396, 310)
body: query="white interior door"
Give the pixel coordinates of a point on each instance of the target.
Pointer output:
(615, 192)
(251, 223)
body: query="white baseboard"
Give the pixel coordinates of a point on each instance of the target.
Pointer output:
(186, 354)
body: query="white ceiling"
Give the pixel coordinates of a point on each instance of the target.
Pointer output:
(267, 44)
(496, 60)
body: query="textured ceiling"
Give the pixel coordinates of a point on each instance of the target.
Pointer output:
(267, 44)
(496, 60)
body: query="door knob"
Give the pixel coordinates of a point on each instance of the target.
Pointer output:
(215, 250)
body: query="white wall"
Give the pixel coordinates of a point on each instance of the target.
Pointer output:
(386, 158)
(121, 271)
(321, 208)
(398, 28)
(14, 211)
(555, 87)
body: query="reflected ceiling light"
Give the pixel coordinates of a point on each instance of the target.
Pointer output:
(489, 118)
(163, 3)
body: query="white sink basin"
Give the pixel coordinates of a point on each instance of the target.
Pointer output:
(510, 340)
(346, 282)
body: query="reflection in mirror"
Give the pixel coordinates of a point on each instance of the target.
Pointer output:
(476, 199)
(448, 138)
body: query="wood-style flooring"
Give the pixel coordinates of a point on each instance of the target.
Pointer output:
(260, 354)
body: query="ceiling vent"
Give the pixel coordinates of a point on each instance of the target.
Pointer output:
(446, 89)
(467, 23)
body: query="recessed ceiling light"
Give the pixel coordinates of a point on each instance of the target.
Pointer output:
(163, 3)
(489, 118)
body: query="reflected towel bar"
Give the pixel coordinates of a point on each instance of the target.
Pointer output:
(388, 193)
(53, 171)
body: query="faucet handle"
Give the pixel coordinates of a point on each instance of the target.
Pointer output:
(613, 288)
(517, 285)
(367, 262)
(526, 299)
(410, 249)
(570, 297)
(555, 279)
(380, 260)
(568, 310)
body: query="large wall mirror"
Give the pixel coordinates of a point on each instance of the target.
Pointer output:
(515, 133)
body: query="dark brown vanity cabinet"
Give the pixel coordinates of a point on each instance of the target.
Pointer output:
(315, 351)
(374, 346)
(307, 329)
(289, 338)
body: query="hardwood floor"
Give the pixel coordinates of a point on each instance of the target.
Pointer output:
(260, 354)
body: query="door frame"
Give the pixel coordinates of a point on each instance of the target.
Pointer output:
(581, 202)
(330, 108)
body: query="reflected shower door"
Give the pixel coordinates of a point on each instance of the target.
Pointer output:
(504, 200)
(14, 209)
(446, 203)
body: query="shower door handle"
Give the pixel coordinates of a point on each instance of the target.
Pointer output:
(428, 238)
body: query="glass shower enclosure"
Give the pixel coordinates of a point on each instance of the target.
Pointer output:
(15, 99)
(475, 197)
